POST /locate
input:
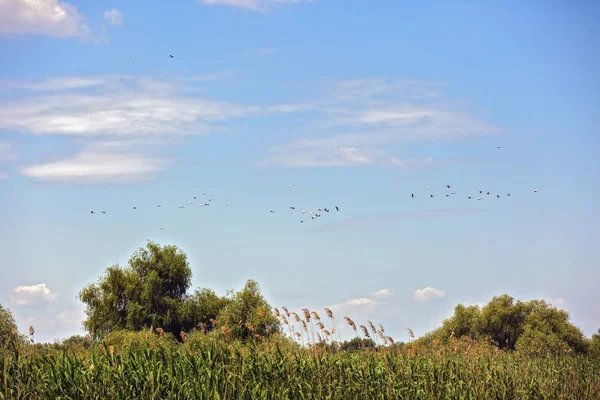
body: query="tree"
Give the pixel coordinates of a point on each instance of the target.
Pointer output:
(594, 347)
(547, 331)
(248, 314)
(150, 291)
(533, 327)
(202, 308)
(356, 344)
(8, 327)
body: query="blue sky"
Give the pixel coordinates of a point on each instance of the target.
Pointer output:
(356, 103)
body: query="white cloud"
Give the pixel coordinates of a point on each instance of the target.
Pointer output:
(143, 106)
(54, 18)
(426, 294)
(55, 84)
(98, 163)
(360, 121)
(560, 301)
(381, 293)
(255, 5)
(114, 17)
(33, 294)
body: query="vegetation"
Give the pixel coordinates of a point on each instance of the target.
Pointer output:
(534, 327)
(208, 366)
(149, 338)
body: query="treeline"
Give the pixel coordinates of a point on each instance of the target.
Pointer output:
(151, 294)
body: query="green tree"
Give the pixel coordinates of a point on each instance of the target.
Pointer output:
(248, 314)
(357, 344)
(594, 347)
(547, 331)
(503, 320)
(203, 307)
(8, 327)
(150, 291)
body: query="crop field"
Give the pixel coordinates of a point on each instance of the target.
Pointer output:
(207, 368)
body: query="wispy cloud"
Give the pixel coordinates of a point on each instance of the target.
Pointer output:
(113, 17)
(381, 293)
(139, 106)
(97, 163)
(33, 294)
(360, 121)
(255, 5)
(54, 18)
(427, 294)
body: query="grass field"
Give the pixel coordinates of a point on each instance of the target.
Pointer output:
(209, 368)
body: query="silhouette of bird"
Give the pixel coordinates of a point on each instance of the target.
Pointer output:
(337, 208)
(448, 186)
(91, 212)
(500, 146)
(412, 196)
(103, 212)
(171, 55)
(535, 191)
(134, 207)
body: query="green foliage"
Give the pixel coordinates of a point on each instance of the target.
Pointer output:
(202, 307)
(534, 327)
(357, 344)
(128, 341)
(215, 369)
(8, 327)
(150, 291)
(248, 314)
(594, 346)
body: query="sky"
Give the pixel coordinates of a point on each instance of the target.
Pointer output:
(357, 104)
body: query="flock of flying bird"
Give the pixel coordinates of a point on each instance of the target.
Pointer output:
(311, 214)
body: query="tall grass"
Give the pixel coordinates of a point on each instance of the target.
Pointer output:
(206, 366)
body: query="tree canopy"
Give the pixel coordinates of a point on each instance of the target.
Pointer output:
(152, 291)
(7, 326)
(248, 314)
(534, 327)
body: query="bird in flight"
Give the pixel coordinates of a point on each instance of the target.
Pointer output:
(103, 212)
(535, 191)
(412, 196)
(291, 185)
(171, 55)
(228, 203)
(134, 207)
(500, 146)
(160, 205)
(448, 186)
(292, 207)
(161, 228)
(337, 208)
(426, 187)
(272, 211)
(91, 212)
